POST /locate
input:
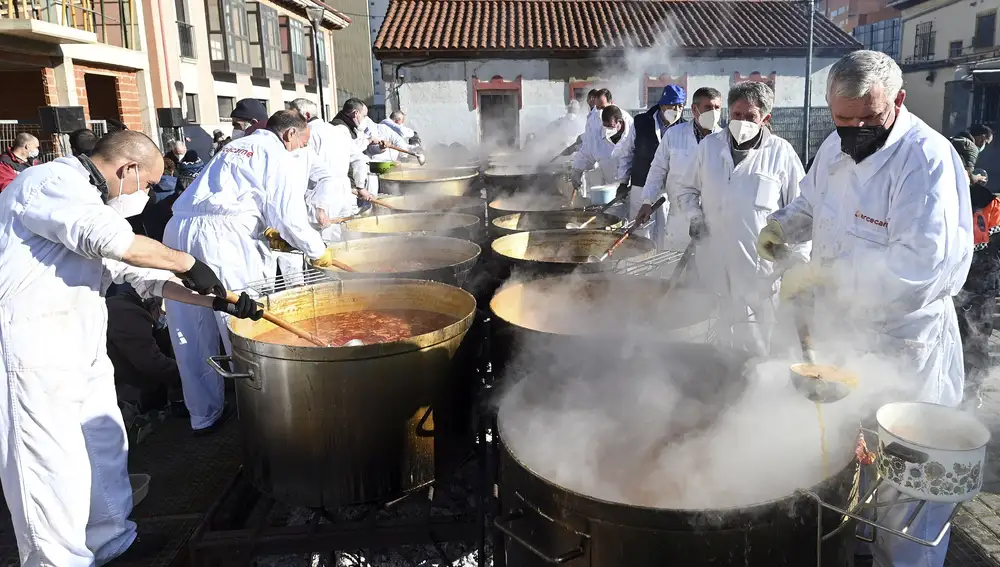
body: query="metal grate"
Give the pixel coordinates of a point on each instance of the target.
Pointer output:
(659, 264)
(963, 552)
(285, 282)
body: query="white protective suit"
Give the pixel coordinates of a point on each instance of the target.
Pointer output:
(626, 154)
(896, 233)
(253, 183)
(735, 203)
(330, 161)
(400, 129)
(390, 136)
(598, 148)
(63, 449)
(359, 159)
(673, 156)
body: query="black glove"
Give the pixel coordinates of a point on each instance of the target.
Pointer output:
(202, 279)
(698, 228)
(576, 178)
(244, 308)
(414, 140)
(623, 189)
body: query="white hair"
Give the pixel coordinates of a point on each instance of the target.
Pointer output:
(755, 93)
(304, 106)
(858, 73)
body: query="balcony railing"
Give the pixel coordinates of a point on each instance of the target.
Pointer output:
(185, 35)
(967, 54)
(112, 21)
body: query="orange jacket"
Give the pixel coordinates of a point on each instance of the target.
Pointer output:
(985, 223)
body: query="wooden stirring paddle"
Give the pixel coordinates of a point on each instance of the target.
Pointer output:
(275, 320)
(383, 204)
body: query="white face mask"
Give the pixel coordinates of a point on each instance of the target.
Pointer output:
(609, 132)
(743, 130)
(34, 153)
(131, 204)
(670, 115)
(709, 120)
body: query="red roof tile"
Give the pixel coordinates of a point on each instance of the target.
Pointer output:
(571, 28)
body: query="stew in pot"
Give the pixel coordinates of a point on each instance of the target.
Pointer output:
(368, 326)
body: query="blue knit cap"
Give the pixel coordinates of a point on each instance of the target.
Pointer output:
(673, 94)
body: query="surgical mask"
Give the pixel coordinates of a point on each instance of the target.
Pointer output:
(981, 148)
(670, 115)
(709, 119)
(609, 132)
(859, 142)
(131, 204)
(743, 130)
(34, 153)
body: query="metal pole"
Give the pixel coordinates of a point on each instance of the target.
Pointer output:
(318, 71)
(807, 105)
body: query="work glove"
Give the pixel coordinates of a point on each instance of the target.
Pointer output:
(698, 229)
(771, 243)
(576, 178)
(623, 189)
(244, 308)
(202, 279)
(801, 278)
(275, 242)
(414, 140)
(324, 261)
(645, 211)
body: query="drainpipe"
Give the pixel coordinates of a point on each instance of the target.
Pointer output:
(807, 107)
(163, 44)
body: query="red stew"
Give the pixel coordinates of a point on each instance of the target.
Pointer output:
(370, 327)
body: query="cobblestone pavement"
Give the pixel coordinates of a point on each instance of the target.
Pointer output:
(980, 519)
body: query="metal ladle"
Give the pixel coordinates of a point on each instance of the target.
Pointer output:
(420, 157)
(604, 208)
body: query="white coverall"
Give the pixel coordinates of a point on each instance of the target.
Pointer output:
(252, 184)
(329, 162)
(358, 158)
(598, 148)
(673, 155)
(895, 232)
(626, 154)
(400, 129)
(63, 447)
(735, 203)
(390, 136)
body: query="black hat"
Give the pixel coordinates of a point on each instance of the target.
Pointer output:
(249, 109)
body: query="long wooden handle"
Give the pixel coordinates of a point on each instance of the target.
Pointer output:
(383, 204)
(275, 320)
(628, 231)
(401, 150)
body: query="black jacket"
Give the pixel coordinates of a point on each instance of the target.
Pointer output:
(646, 143)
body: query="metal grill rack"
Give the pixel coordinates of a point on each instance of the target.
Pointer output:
(657, 264)
(308, 276)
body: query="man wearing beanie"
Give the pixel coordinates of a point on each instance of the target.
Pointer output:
(248, 116)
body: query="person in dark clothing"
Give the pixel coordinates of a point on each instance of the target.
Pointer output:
(157, 213)
(976, 303)
(20, 156)
(248, 115)
(145, 375)
(82, 142)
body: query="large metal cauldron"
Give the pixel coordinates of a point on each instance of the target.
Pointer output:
(534, 202)
(432, 204)
(550, 220)
(546, 317)
(542, 253)
(545, 523)
(441, 259)
(454, 225)
(326, 427)
(446, 181)
(548, 179)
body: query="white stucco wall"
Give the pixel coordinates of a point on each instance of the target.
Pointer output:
(437, 97)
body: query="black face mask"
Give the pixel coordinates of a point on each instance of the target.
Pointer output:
(859, 142)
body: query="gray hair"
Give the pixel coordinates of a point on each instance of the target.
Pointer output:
(756, 94)
(304, 106)
(857, 73)
(397, 115)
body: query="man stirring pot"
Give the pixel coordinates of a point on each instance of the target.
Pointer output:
(886, 205)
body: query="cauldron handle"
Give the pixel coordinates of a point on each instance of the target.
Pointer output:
(422, 430)
(216, 363)
(506, 525)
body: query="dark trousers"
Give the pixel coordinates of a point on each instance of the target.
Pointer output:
(975, 324)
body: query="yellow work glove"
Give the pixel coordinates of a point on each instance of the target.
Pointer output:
(801, 278)
(771, 243)
(324, 261)
(275, 241)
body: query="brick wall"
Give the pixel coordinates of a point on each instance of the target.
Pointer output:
(126, 91)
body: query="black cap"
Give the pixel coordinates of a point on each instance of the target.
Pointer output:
(249, 109)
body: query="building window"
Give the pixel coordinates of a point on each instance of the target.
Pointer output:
(191, 108)
(321, 49)
(265, 41)
(986, 30)
(185, 31)
(267, 105)
(923, 46)
(228, 36)
(226, 106)
(955, 49)
(881, 36)
(294, 50)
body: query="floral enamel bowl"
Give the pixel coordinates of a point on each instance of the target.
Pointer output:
(931, 452)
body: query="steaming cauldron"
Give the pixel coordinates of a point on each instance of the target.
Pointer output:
(545, 523)
(542, 253)
(550, 315)
(544, 179)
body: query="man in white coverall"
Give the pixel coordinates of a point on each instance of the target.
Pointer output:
(737, 177)
(595, 147)
(673, 155)
(63, 446)
(252, 184)
(352, 120)
(887, 207)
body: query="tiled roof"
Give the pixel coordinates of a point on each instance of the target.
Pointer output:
(567, 27)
